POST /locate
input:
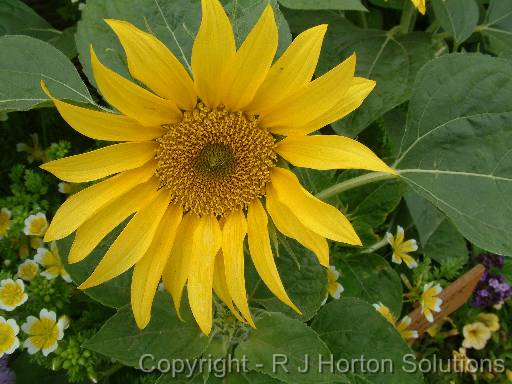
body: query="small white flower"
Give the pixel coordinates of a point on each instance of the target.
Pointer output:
(43, 332)
(36, 225)
(401, 248)
(28, 270)
(12, 294)
(334, 289)
(50, 260)
(5, 221)
(9, 341)
(429, 301)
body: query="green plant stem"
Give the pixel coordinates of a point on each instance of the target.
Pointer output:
(353, 183)
(376, 246)
(408, 17)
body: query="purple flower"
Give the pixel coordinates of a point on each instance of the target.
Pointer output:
(492, 288)
(6, 375)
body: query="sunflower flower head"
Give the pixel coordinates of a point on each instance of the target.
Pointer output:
(36, 225)
(402, 248)
(50, 261)
(429, 301)
(476, 335)
(43, 333)
(197, 165)
(12, 294)
(9, 341)
(28, 270)
(5, 221)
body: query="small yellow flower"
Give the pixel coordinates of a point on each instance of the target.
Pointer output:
(401, 326)
(36, 242)
(402, 248)
(36, 225)
(462, 363)
(5, 221)
(334, 288)
(490, 320)
(476, 335)
(12, 294)
(50, 260)
(44, 332)
(429, 301)
(9, 341)
(509, 375)
(28, 270)
(420, 5)
(34, 152)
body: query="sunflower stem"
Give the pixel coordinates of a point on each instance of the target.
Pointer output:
(353, 183)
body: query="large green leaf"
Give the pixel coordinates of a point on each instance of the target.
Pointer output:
(457, 17)
(439, 239)
(173, 22)
(392, 60)
(114, 293)
(342, 5)
(278, 338)
(304, 279)
(370, 278)
(26, 61)
(166, 336)
(497, 29)
(354, 330)
(456, 146)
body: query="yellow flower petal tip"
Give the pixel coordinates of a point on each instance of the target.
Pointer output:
(154, 189)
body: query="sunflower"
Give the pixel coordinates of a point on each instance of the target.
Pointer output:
(199, 155)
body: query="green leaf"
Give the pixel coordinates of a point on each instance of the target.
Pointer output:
(173, 22)
(304, 279)
(353, 329)
(370, 277)
(279, 338)
(166, 337)
(439, 238)
(342, 5)
(455, 150)
(391, 60)
(26, 61)
(114, 293)
(457, 17)
(17, 18)
(497, 29)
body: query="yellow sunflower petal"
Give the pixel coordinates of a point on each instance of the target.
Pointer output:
(261, 252)
(316, 215)
(90, 233)
(148, 271)
(248, 68)
(207, 239)
(292, 71)
(163, 74)
(359, 89)
(220, 288)
(132, 243)
(213, 48)
(177, 268)
(233, 235)
(102, 125)
(330, 152)
(132, 100)
(286, 222)
(85, 203)
(313, 100)
(102, 162)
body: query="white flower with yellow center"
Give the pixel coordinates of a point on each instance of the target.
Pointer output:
(43, 332)
(402, 248)
(50, 260)
(12, 294)
(334, 288)
(36, 242)
(36, 225)
(476, 335)
(401, 326)
(28, 270)
(9, 341)
(5, 221)
(430, 302)
(490, 320)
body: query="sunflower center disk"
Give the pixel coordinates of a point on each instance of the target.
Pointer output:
(215, 161)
